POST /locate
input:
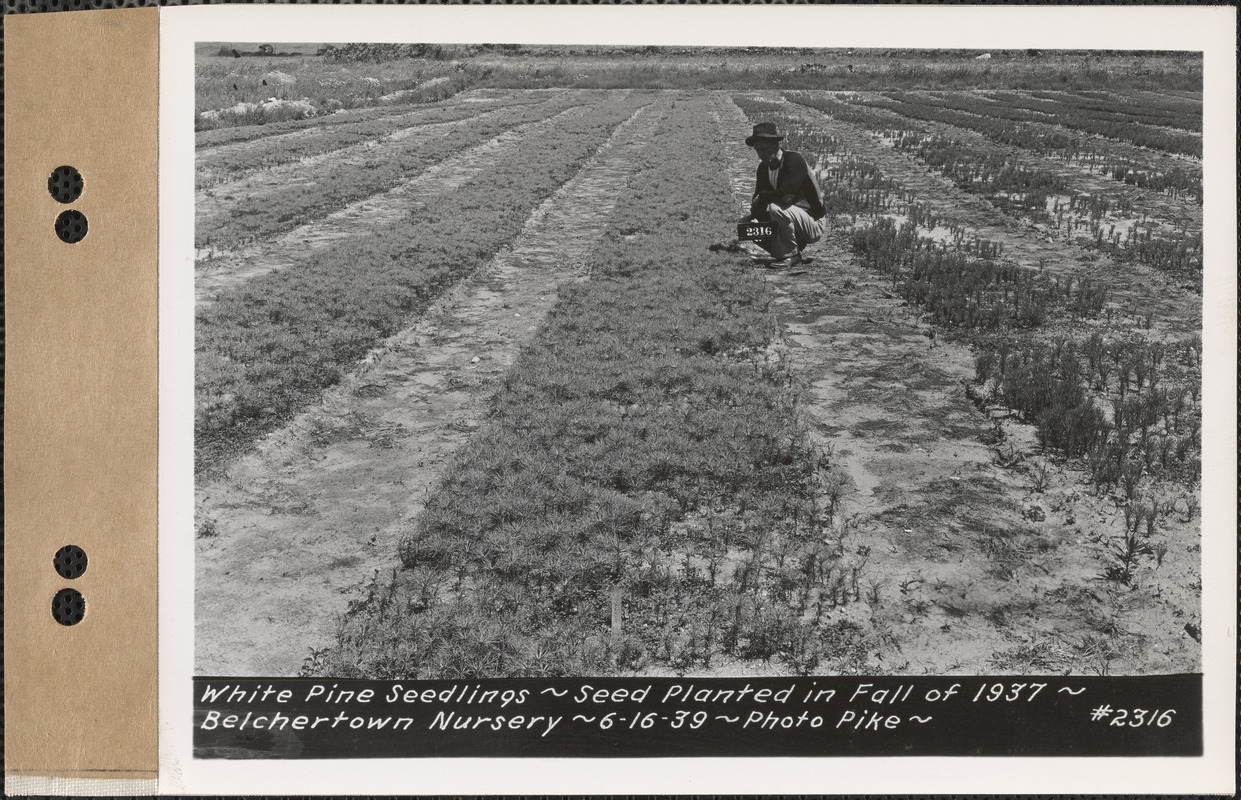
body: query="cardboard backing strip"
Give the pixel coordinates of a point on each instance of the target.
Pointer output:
(81, 90)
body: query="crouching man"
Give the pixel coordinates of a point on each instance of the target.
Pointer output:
(787, 195)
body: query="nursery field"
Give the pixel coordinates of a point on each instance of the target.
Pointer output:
(486, 386)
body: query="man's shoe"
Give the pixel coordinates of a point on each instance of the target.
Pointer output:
(786, 262)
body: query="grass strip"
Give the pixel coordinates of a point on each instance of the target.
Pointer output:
(270, 347)
(265, 214)
(644, 494)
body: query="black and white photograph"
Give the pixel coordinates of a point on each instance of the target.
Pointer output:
(666, 363)
(487, 385)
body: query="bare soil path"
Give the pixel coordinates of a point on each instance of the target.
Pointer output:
(969, 570)
(1177, 307)
(296, 530)
(374, 213)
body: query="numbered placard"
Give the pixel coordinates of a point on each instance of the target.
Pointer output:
(755, 231)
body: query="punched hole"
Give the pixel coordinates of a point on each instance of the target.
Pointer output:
(65, 184)
(68, 607)
(71, 226)
(70, 561)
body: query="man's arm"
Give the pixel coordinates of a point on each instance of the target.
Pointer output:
(758, 206)
(793, 174)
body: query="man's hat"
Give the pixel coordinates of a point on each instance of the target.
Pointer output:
(763, 130)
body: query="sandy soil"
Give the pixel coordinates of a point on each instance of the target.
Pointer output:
(298, 528)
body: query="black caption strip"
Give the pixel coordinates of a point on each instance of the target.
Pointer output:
(636, 717)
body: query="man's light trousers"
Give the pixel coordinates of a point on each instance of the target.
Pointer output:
(795, 229)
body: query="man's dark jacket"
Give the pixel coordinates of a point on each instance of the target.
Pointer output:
(795, 187)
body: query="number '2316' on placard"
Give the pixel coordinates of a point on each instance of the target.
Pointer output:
(754, 231)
